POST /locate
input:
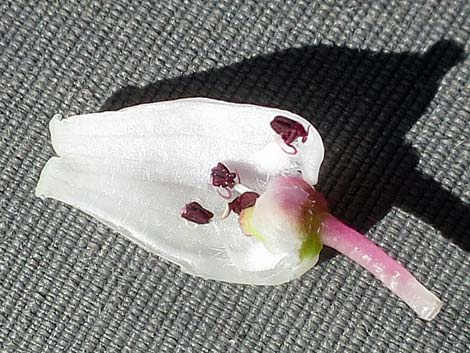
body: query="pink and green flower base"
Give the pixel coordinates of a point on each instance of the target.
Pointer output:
(296, 202)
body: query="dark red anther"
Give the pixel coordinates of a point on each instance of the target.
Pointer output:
(194, 212)
(222, 177)
(289, 129)
(243, 201)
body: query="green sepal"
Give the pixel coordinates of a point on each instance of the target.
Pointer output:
(311, 247)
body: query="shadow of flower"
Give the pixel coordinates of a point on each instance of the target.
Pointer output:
(363, 104)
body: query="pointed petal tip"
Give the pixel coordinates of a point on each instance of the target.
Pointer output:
(54, 126)
(42, 186)
(57, 117)
(56, 120)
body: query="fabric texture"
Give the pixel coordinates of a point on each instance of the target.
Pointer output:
(387, 83)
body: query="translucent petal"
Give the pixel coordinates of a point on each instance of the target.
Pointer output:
(134, 169)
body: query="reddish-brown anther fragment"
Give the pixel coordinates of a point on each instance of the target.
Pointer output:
(194, 212)
(222, 177)
(243, 201)
(289, 129)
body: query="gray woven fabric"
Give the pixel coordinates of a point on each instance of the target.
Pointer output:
(386, 83)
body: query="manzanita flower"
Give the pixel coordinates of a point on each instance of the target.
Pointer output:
(147, 170)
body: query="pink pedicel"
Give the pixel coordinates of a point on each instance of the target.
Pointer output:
(245, 200)
(307, 207)
(390, 272)
(289, 130)
(195, 213)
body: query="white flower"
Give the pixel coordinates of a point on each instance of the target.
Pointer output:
(134, 170)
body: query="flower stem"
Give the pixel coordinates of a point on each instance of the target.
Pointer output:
(390, 272)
